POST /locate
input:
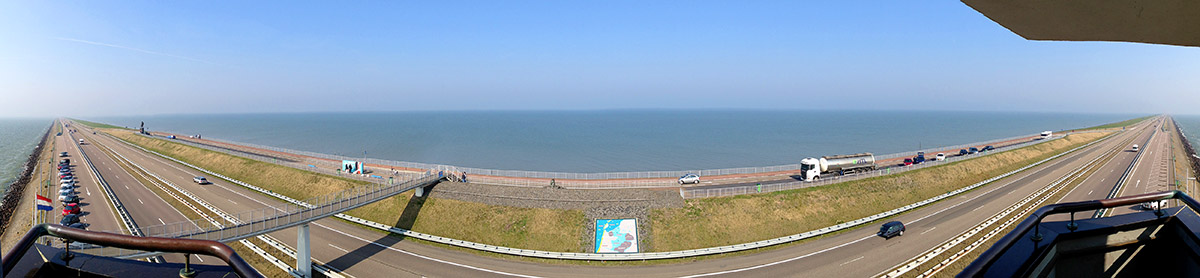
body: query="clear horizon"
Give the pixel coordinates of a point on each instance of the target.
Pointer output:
(145, 58)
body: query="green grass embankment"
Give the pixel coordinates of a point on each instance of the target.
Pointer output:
(97, 125)
(1119, 124)
(529, 228)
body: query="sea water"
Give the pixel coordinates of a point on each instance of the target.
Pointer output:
(613, 140)
(18, 137)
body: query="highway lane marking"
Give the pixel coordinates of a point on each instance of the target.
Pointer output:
(1090, 192)
(454, 263)
(977, 208)
(89, 191)
(140, 202)
(160, 221)
(1138, 183)
(126, 187)
(339, 248)
(778, 262)
(851, 261)
(929, 230)
(231, 201)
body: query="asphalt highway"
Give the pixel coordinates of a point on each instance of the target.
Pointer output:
(360, 252)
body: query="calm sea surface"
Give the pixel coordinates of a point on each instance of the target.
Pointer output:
(18, 137)
(1191, 127)
(606, 141)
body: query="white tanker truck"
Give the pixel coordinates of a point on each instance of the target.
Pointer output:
(812, 168)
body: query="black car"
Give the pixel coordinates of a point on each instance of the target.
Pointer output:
(80, 226)
(973, 150)
(962, 152)
(988, 148)
(891, 229)
(69, 219)
(70, 199)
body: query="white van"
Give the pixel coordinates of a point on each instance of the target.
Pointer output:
(1047, 134)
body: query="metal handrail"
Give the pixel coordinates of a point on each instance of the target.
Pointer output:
(985, 260)
(156, 244)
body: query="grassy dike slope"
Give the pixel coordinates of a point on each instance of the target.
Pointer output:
(747, 218)
(529, 228)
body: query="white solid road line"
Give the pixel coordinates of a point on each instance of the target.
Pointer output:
(778, 262)
(851, 261)
(929, 230)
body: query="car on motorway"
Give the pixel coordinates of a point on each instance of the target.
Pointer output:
(67, 180)
(65, 186)
(65, 161)
(71, 200)
(962, 152)
(65, 175)
(939, 157)
(70, 209)
(63, 194)
(908, 161)
(973, 150)
(63, 154)
(891, 229)
(689, 178)
(200, 180)
(69, 219)
(988, 148)
(1135, 148)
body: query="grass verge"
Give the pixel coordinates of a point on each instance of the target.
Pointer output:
(98, 125)
(1124, 123)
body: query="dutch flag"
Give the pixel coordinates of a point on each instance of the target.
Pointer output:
(43, 203)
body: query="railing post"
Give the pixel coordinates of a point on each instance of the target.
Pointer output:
(303, 253)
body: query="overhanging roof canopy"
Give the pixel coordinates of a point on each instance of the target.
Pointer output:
(1174, 22)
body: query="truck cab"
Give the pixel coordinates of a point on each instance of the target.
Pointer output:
(810, 169)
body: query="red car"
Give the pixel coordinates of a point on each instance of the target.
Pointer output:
(70, 208)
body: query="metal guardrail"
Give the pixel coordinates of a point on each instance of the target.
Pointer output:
(637, 256)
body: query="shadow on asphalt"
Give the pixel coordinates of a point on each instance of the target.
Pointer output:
(406, 221)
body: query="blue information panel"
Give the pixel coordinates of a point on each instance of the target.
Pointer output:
(616, 236)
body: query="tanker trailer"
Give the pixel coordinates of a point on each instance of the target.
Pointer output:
(812, 168)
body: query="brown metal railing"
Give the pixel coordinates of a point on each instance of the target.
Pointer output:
(1033, 222)
(155, 244)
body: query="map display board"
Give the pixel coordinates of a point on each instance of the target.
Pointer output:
(616, 236)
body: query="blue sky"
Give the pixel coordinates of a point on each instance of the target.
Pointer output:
(154, 57)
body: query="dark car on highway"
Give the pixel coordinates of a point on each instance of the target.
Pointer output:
(973, 150)
(891, 229)
(69, 219)
(962, 152)
(988, 148)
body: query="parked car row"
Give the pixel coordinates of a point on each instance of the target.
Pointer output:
(71, 209)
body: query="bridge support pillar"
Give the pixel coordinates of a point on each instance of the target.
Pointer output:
(303, 253)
